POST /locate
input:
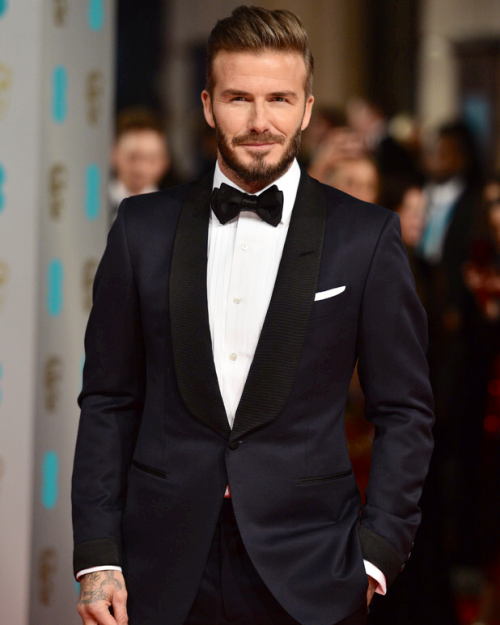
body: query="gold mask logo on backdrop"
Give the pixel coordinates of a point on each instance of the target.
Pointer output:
(47, 567)
(6, 78)
(53, 375)
(60, 12)
(4, 279)
(58, 183)
(94, 93)
(88, 274)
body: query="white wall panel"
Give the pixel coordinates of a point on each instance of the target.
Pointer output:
(56, 77)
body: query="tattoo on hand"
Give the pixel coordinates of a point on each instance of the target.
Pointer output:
(93, 585)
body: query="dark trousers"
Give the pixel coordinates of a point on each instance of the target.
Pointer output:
(232, 592)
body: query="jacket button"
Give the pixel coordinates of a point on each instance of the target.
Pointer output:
(233, 445)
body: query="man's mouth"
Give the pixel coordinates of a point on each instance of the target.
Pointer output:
(262, 142)
(257, 145)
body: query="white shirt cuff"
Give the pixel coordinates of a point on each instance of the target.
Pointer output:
(370, 569)
(94, 569)
(378, 576)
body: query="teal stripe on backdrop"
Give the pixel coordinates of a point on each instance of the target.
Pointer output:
(50, 480)
(92, 192)
(2, 185)
(55, 287)
(96, 14)
(59, 94)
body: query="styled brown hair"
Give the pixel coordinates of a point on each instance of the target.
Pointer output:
(256, 30)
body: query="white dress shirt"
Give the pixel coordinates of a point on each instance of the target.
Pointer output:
(243, 260)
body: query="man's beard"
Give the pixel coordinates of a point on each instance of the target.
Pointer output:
(259, 171)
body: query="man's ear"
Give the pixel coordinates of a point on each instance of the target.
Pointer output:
(307, 112)
(207, 108)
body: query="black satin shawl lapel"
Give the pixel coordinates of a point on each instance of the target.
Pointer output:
(276, 359)
(191, 341)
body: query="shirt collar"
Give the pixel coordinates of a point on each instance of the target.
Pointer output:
(446, 192)
(288, 183)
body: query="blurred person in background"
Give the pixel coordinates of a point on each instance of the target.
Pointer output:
(406, 130)
(453, 209)
(453, 194)
(358, 177)
(323, 120)
(482, 271)
(405, 196)
(453, 198)
(368, 119)
(428, 573)
(482, 434)
(339, 144)
(140, 156)
(341, 161)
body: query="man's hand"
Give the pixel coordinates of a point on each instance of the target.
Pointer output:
(100, 591)
(372, 587)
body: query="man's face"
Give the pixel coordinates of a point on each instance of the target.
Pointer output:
(140, 159)
(446, 159)
(258, 108)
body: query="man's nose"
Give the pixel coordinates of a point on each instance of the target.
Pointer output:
(258, 120)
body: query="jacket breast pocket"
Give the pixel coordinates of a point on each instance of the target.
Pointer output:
(331, 305)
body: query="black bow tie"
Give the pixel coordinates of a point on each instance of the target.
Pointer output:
(228, 202)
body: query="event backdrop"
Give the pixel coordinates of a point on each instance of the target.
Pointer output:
(56, 77)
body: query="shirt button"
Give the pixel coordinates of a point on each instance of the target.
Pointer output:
(233, 357)
(244, 247)
(237, 300)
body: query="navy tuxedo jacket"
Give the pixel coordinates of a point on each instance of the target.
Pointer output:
(155, 451)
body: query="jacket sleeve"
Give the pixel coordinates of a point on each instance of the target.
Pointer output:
(393, 371)
(111, 404)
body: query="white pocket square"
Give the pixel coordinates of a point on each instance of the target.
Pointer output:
(330, 293)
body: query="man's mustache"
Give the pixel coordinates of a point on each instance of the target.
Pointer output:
(265, 137)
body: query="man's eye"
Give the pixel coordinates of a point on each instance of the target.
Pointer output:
(278, 99)
(239, 98)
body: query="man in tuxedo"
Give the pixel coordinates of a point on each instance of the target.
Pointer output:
(212, 477)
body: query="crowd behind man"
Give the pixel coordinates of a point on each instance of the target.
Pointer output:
(448, 201)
